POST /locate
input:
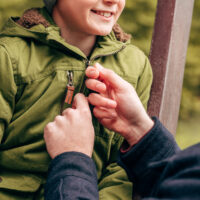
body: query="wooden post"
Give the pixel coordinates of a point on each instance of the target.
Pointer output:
(167, 56)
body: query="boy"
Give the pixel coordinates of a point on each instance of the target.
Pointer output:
(43, 56)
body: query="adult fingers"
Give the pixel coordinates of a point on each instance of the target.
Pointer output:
(100, 113)
(92, 72)
(110, 77)
(81, 103)
(106, 122)
(59, 120)
(49, 129)
(95, 85)
(100, 101)
(68, 111)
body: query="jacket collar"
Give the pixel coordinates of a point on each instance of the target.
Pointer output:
(33, 17)
(38, 24)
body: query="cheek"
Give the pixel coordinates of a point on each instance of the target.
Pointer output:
(121, 6)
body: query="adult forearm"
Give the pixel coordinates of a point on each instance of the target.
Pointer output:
(154, 147)
(73, 175)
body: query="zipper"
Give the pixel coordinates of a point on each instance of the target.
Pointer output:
(70, 85)
(87, 63)
(70, 88)
(69, 92)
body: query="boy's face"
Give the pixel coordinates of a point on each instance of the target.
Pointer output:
(91, 17)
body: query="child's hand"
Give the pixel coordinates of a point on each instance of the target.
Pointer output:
(72, 131)
(116, 105)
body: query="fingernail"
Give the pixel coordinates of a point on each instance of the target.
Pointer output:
(92, 73)
(112, 103)
(99, 67)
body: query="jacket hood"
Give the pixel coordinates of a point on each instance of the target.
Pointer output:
(36, 16)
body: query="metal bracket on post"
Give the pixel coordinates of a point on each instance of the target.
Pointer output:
(167, 56)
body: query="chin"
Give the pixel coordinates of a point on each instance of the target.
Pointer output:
(103, 32)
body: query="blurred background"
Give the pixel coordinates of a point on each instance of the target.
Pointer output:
(138, 20)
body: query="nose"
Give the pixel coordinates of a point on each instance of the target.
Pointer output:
(111, 1)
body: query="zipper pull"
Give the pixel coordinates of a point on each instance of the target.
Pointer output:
(87, 63)
(70, 88)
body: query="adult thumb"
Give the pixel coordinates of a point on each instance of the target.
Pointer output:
(81, 102)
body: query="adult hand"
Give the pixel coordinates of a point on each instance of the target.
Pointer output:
(71, 131)
(116, 104)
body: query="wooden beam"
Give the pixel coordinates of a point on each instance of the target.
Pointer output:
(167, 56)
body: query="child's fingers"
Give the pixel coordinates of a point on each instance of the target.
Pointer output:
(95, 85)
(101, 113)
(92, 72)
(100, 101)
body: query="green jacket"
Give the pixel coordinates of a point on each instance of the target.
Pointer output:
(34, 62)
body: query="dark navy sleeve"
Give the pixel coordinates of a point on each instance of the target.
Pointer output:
(72, 176)
(160, 170)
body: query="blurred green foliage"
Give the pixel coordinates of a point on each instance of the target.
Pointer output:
(15, 8)
(188, 132)
(138, 20)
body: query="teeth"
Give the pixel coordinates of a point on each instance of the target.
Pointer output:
(105, 14)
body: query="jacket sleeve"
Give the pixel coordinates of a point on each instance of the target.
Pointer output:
(71, 175)
(180, 176)
(7, 90)
(160, 170)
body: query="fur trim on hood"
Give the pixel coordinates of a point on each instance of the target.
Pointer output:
(33, 17)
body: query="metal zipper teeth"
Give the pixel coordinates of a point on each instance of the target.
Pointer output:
(70, 77)
(69, 82)
(89, 61)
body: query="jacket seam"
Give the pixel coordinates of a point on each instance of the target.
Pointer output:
(6, 50)
(13, 61)
(84, 178)
(41, 76)
(60, 189)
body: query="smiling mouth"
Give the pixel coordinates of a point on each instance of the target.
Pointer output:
(103, 13)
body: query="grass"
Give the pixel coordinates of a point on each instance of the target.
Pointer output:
(188, 133)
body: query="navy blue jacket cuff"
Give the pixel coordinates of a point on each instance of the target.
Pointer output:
(71, 174)
(156, 145)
